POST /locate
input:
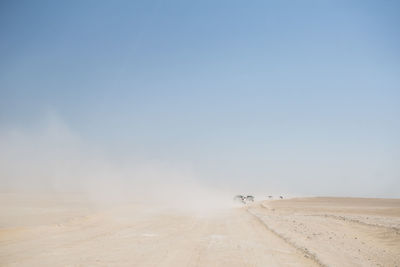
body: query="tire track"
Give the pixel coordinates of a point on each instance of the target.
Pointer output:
(302, 250)
(329, 235)
(347, 219)
(350, 220)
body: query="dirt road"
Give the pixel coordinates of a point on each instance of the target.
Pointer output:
(62, 233)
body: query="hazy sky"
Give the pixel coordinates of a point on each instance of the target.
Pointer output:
(297, 96)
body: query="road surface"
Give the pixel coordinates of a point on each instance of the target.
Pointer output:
(271, 233)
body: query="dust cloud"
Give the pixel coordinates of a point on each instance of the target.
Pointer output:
(53, 158)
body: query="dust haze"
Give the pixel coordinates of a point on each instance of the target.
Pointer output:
(65, 202)
(53, 158)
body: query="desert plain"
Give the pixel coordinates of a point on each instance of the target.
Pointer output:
(70, 230)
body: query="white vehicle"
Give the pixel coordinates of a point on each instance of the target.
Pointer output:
(240, 198)
(250, 198)
(244, 199)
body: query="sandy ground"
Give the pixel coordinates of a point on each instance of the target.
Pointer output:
(66, 230)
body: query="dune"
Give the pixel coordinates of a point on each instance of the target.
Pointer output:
(69, 229)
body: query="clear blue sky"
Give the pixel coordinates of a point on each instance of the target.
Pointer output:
(288, 94)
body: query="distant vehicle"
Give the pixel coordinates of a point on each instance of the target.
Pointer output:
(240, 198)
(250, 198)
(269, 197)
(244, 199)
(281, 197)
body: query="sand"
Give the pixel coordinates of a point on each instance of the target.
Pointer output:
(70, 230)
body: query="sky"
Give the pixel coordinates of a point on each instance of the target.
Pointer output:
(292, 97)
